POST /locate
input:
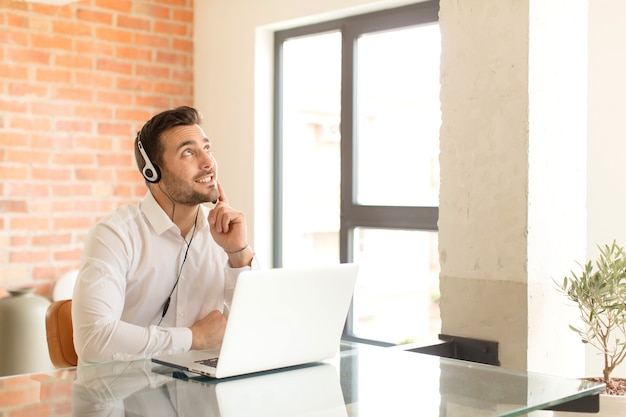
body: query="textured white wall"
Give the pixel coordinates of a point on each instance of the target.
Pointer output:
(511, 207)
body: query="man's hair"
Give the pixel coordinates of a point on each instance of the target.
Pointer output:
(150, 133)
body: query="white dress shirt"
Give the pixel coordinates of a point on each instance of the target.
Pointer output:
(129, 266)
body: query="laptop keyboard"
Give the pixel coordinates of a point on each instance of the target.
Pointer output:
(208, 362)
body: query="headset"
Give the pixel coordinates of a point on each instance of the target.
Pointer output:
(150, 171)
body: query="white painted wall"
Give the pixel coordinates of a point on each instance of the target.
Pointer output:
(606, 178)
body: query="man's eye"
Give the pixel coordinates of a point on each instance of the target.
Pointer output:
(187, 152)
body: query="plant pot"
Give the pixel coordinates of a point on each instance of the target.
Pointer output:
(610, 406)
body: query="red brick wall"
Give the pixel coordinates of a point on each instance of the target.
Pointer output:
(76, 83)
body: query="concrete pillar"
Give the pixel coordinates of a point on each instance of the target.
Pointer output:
(512, 196)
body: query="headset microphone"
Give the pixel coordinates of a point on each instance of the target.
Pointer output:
(150, 171)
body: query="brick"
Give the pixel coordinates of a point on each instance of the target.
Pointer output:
(152, 40)
(74, 125)
(52, 239)
(74, 94)
(28, 89)
(132, 114)
(67, 255)
(73, 159)
(114, 35)
(173, 58)
(53, 75)
(136, 54)
(172, 88)
(124, 6)
(64, 12)
(124, 160)
(52, 141)
(13, 106)
(130, 22)
(114, 66)
(93, 47)
(133, 84)
(94, 143)
(119, 128)
(72, 28)
(115, 97)
(153, 10)
(153, 71)
(183, 15)
(31, 123)
(95, 174)
(172, 28)
(155, 101)
(180, 3)
(13, 172)
(93, 79)
(74, 222)
(28, 55)
(94, 111)
(13, 70)
(183, 75)
(51, 108)
(94, 16)
(17, 240)
(51, 174)
(17, 21)
(13, 206)
(183, 45)
(74, 190)
(23, 256)
(51, 42)
(27, 158)
(22, 189)
(131, 176)
(13, 37)
(74, 61)
(29, 223)
(13, 139)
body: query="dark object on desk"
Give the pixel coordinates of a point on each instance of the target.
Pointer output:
(464, 348)
(60, 334)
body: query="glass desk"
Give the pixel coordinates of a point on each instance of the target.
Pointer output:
(359, 381)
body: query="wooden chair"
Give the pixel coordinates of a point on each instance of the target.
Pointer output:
(60, 334)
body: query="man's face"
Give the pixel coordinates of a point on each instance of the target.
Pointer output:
(189, 171)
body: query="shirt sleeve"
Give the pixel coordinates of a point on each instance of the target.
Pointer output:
(98, 302)
(99, 333)
(230, 281)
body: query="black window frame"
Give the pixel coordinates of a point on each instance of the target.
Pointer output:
(353, 215)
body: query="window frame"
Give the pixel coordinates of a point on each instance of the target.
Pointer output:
(352, 215)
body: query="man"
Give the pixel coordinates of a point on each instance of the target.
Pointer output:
(155, 276)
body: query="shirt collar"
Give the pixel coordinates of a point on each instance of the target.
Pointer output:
(160, 221)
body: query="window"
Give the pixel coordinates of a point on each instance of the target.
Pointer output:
(356, 156)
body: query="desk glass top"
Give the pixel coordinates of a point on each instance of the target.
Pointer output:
(359, 381)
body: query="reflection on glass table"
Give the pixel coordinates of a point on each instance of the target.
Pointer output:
(359, 381)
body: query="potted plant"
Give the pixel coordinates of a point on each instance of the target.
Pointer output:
(599, 291)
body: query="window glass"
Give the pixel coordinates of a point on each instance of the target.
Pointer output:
(398, 117)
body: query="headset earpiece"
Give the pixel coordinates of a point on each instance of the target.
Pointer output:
(150, 171)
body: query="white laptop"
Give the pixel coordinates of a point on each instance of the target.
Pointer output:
(278, 318)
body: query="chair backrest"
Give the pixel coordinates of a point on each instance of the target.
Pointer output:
(60, 334)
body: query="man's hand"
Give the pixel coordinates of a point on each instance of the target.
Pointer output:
(229, 230)
(208, 333)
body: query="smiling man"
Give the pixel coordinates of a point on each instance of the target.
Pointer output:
(156, 276)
